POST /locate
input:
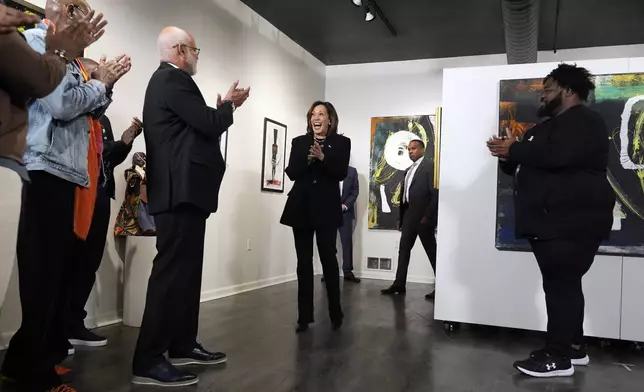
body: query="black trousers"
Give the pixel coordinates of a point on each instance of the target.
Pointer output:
(88, 255)
(346, 238)
(45, 244)
(171, 317)
(563, 263)
(410, 231)
(326, 249)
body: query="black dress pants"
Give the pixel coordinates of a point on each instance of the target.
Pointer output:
(346, 238)
(410, 231)
(326, 239)
(171, 317)
(88, 255)
(563, 263)
(45, 244)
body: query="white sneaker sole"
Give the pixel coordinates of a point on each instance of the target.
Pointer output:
(87, 343)
(581, 362)
(188, 361)
(554, 373)
(71, 351)
(152, 382)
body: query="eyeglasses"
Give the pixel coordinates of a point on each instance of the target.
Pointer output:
(197, 50)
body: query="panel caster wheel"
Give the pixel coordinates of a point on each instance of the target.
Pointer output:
(451, 327)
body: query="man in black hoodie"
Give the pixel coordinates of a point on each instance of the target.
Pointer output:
(563, 206)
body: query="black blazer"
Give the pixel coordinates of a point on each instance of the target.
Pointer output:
(184, 161)
(114, 153)
(561, 189)
(314, 201)
(423, 197)
(350, 191)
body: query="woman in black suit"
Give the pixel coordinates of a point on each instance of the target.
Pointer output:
(318, 162)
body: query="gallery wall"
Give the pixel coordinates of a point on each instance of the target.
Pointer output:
(236, 44)
(479, 284)
(362, 91)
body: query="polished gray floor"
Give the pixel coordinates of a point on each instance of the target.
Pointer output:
(387, 344)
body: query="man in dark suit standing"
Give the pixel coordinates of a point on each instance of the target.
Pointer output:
(185, 169)
(349, 190)
(418, 215)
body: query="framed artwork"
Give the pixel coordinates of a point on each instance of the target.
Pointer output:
(389, 160)
(223, 145)
(27, 7)
(273, 156)
(619, 99)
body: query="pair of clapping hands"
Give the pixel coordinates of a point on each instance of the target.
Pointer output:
(500, 146)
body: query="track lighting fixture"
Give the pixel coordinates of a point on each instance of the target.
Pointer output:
(372, 10)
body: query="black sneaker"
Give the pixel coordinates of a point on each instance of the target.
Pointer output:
(577, 357)
(85, 337)
(197, 356)
(545, 366)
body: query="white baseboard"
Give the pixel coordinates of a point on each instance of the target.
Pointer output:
(223, 292)
(390, 275)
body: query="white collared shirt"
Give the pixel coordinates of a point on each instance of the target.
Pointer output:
(409, 178)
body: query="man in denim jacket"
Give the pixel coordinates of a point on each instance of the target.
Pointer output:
(57, 161)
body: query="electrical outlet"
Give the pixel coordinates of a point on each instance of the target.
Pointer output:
(248, 247)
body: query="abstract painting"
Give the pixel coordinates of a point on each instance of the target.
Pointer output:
(273, 156)
(27, 7)
(619, 99)
(390, 137)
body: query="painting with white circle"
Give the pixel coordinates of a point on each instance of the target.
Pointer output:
(389, 160)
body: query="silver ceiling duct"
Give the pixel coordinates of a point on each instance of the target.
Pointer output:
(521, 27)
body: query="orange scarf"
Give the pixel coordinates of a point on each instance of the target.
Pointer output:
(85, 198)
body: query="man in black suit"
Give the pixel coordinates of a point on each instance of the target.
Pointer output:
(185, 169)
(349, 190)
(418, 215)
(564, 206)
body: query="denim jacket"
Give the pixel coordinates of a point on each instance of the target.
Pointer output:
(58, 136)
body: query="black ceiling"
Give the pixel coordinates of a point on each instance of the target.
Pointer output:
(335, 32)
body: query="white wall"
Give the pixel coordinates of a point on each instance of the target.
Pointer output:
(362, 91)
(476, 282)
(236, 44)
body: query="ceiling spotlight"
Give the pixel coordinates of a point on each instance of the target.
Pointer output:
(357, 3)
(369, 16)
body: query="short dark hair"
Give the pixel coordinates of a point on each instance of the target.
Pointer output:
(422, 143)
(333, 116)
(570, 76)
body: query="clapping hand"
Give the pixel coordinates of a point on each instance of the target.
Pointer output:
(11, 19)
(236, 95)
(72, 40)
(500, 146)
(132, 132)
(316, 152)
(110, 72)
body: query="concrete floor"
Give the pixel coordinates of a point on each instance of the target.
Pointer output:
(386, 344)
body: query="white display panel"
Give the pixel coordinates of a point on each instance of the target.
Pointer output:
(476, 283)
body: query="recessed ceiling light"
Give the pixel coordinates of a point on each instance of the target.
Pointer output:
(357, 3)
(369, 16)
